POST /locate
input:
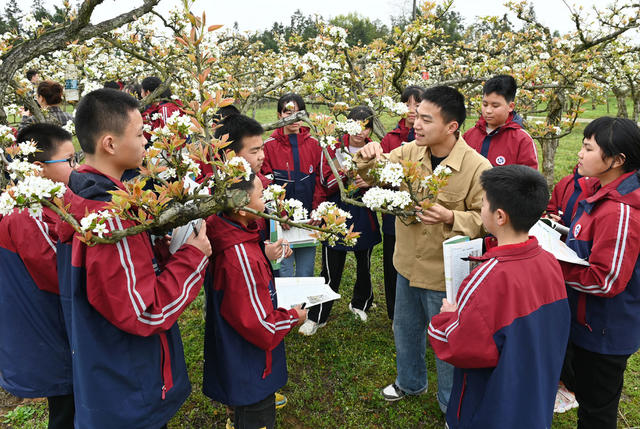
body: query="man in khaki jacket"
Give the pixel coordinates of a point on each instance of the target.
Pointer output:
(418, 251)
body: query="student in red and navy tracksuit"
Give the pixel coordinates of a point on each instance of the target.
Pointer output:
(363, 220)
(164, 109)
(605, 296)
(244, 355)
(121, 307)
(402, 133)
(292, 158)
(507, 332)
(35, 358)
(564, 198)
(498, 135)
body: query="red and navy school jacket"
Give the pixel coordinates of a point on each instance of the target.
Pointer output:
(244, 356)
(565, 197)
(508, 144)
(121, 314)
(605, 296)
(363, 220)
(294, 160)
(393, 139)
(165, 109)
(35, 358)
(507, 339)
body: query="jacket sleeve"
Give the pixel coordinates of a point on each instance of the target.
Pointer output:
(328, 179)
(468, 221)
(613, 257)
(246, 305)
(123, 286)
(267, 167)
(527, 151)
(33, 241)
(463, 338)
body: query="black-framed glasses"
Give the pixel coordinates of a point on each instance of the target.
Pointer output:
(72, 160)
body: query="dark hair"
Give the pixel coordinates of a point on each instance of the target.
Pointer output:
(51, 92)
(151, 83)
(282, 101)
(238, 127)
(242, 185)
(519, 190)
(414, 91)
(47, 137)
(31, 73)
(503, 85)
(101, 111)
(450, 102)
(616, 136)
(362, 113)
(225, 111)
(133, 88)
(112, 84)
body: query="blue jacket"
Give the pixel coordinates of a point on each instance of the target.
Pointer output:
(121, 312)
(244, 357)
(605, 297)
(507, 340)
(363, 220)
(35, 359)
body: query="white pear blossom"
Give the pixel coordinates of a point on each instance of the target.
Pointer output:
(398, 108)
(28, 147)
(327, 207)
(272, 192)
(442, 169)
(69, 127)
(391, 174)
(328, 142)
(295, 209)
(351, 127)
(377, 198)
(238, 161)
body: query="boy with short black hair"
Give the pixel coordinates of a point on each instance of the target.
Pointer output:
(35, 358)
(121, 310)
(508, 330)
(244, 355)
(498, 135)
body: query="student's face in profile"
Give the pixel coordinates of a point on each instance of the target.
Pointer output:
(495, 109)
(412, 105)
(59, 171)
(255, 197)
(430, 127)
(590, 159)
(253, 152)
(288, 111)
(487, 216)
(129, 148)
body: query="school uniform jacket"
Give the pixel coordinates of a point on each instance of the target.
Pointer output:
(605, 297)
(294, 160)
(507, 339)
(363, 220)
(508, 144)
(165, 109)
(244, 357)
(565, 197)
(393, 139)
(35, 359)
(121, 314)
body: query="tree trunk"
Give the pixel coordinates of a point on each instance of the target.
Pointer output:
(621, 99)
(550, 146)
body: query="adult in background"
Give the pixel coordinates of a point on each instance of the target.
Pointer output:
(49, 96)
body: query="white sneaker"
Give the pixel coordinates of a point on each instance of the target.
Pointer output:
(565, 400)
(309, 327)
(361, 314)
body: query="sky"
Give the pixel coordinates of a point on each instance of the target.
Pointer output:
(261, 14)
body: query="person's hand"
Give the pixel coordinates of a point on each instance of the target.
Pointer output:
(302, 314)
(315, 222)
(434, 214)
(274, 250)
(370, 151)
(360, 183)
(284, 226)
(555, 217)
(201, 241)
(448, 307)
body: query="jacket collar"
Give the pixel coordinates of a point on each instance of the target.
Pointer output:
(509, 252)
(453, 160)
(624, 189)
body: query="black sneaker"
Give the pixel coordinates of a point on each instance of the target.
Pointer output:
(392, 393)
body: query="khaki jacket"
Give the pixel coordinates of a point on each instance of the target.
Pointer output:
(418, 251)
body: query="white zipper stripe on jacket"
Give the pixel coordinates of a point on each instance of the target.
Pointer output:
(250, 289)
(44, 229)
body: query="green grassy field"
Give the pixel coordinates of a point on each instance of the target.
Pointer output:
(335, 376)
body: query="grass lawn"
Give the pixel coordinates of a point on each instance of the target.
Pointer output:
(335, 376)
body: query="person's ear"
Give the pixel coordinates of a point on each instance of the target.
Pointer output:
(512, 106)
(41, 165)
(107, 144)
(619, 160)
(502, 218)
(452, 127)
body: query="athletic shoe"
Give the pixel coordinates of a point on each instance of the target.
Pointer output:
(361, 314)
(565, 400)
(392, 393)
(281, 400)
(309, 327)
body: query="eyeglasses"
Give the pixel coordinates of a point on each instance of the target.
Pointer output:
(72, 160)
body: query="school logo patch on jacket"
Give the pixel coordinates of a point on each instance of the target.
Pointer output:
(500, 160)
(576, 230)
